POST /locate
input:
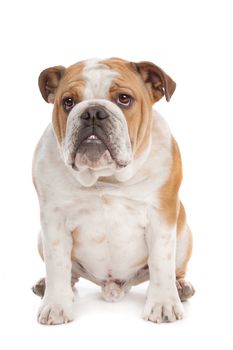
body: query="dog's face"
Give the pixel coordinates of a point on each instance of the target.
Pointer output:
(103, 111)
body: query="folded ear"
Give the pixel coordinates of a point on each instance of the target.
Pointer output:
(159, 82)
(48, 82)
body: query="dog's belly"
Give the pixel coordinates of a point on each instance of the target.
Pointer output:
(109, 239)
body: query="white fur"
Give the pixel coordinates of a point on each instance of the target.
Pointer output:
(163, 302)
(98, 78)
(57, 303)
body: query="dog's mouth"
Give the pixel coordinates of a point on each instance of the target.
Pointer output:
(94, 150)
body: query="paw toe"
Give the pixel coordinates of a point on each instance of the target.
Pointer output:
(168, 314)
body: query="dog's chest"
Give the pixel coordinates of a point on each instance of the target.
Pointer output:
(109, 240)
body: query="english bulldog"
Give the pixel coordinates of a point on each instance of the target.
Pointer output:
(107, 172)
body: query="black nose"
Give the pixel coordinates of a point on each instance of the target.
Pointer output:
(93, 114)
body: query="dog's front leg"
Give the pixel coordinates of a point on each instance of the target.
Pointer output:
(163, 302)
(57, 303)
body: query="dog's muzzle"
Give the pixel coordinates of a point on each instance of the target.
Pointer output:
(93, 148)
(97, 136)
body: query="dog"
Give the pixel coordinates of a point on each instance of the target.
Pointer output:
(107, 172)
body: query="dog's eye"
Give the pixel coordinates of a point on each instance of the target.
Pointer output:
(124, 100)
(68, 103)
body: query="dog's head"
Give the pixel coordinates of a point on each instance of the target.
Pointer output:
(103, 113)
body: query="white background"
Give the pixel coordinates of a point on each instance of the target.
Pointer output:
(191, 41)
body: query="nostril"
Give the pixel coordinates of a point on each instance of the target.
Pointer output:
(101, 114)
(85, 115)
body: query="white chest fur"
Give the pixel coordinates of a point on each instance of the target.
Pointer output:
(110, 238)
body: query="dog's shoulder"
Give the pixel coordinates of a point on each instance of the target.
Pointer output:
(47, 167)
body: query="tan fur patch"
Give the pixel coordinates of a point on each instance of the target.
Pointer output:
(71, 85)
(107, 200)
(181, 221)
(75, 236)
(138, 116)
(56, 243)
(181, 271)
(169, 192)
(139, 263)
(100, 239)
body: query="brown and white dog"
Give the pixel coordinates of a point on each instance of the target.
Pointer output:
(107, 172)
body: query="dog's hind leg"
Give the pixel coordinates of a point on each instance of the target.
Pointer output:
(39, 287)
(185, 289)
(183, 254)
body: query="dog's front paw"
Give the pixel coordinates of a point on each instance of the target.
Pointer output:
(55, 312)
(167, 310)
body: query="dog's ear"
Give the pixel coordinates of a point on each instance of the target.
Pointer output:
(156, 79)
(48, 82)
